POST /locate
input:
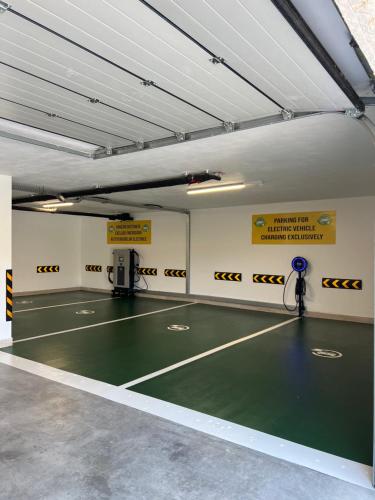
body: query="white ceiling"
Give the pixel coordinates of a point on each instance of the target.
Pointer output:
(126, 42)
(319, 157)
(258, 42)
(117, 45)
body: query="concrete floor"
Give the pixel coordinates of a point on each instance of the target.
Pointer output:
(61, 443)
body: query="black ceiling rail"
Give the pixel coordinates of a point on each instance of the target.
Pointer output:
(121, 188)
(124, 216)
(303, 30)
(89, 98)
(49, 131)
(53, 115)
(112, 63)
(212, 54)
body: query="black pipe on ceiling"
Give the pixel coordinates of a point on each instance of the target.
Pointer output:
(121, 188)
(303, 30)
(124, 216)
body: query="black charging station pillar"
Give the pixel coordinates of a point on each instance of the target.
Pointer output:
(299, 264)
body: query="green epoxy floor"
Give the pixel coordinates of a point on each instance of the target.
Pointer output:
(271, 383)
(120, 352)
(50, 299)
(274, 384)
(43, 321)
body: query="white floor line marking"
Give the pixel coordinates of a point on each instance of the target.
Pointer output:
(341, 468)
(103, 323)
(63, 305)
(206, 353)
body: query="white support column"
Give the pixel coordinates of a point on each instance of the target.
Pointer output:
(5, 255)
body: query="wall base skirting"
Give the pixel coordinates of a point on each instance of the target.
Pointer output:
(340, 317)
(46, 292)
(215, 301)
(241, 304)
(6, 342)
(98, 290)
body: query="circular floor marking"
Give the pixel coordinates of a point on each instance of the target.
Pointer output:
(85, 311)
(326, 353)
(178, 328)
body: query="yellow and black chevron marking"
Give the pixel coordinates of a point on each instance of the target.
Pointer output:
(342, 284)
(93, 269)
(148, 271)
(47, 269)
(228, 276)
(271, 279)
(9, 295)
(175, 273)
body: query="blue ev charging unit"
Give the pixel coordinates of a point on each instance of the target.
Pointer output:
(299, 265)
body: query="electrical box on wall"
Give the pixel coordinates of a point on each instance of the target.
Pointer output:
(124, 268)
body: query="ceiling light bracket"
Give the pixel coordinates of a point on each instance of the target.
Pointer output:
(354, 113)
(52, 115)
(4, 7)
(217, 60)
(93, 100)
(147, 83)
(180, 136)
(287, 114)
(228, 126)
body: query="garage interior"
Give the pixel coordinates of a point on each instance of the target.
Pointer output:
(187, 199)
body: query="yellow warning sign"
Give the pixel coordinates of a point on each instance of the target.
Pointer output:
(299, 228)
(130, 232)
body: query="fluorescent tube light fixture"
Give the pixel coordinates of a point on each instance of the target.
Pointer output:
(21, 132)
(58, 205)
(359, 15)
(216, 189)
(52, 210)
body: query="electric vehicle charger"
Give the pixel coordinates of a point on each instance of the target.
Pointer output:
(299, 265)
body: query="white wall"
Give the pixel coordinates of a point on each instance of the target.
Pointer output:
(5, 251)
(46, 239)
(167, 250)
(221, 241)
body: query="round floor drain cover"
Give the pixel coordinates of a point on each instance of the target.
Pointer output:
(178, 328)
(326, 353)
(85, 311)
(24, 302)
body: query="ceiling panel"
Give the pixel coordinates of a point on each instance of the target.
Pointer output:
(36, 93)
(10, 111)
(133, 37)
(47, 56)
(253, 37)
